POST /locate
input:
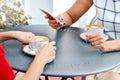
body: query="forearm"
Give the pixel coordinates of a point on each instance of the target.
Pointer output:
(6, 36)
(78, 9)
(35, 70)
(115, 45)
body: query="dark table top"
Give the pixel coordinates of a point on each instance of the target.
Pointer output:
(74, 57)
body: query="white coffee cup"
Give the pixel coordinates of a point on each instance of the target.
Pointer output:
(94, 29)
(37, 42)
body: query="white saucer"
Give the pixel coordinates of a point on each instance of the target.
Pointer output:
(28, 51)
(83, 36)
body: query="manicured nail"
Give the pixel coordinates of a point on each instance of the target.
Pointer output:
(55, 21)
(64, 24)
(61, 19)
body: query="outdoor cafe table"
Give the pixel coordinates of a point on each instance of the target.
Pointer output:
(74, 57)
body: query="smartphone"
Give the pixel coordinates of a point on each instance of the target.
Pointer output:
(51, 16)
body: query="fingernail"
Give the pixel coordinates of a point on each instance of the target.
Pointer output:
(61, 19)
(64, 24)
(55, 21)
(48, 17)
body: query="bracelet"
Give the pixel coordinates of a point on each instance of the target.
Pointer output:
(70, 17)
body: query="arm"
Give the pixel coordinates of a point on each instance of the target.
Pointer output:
(35, 70)
(5, 36)
(17, 35)
(79, 8)
(72, 14)
(113, 45)
(44, 56)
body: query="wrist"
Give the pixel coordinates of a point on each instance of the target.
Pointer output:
(40, 59)
(113, 46)
(67, 19)
(70, 17)
(12, 34)
(116, 45)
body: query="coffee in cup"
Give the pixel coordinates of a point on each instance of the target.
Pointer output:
(37, 42)
(94, 29)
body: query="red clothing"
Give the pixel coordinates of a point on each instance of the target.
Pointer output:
(6, 72)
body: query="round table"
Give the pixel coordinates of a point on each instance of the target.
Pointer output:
(74, 57)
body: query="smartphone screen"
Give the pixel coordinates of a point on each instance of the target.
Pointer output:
(47, 13)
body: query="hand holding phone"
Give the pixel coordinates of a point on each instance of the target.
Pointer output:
(52, 17)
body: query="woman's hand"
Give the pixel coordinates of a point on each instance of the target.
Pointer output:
(64, 18)
(22, 36)
(97, 41)
(54, 23)
(47, 53)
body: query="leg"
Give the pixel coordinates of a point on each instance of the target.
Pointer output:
(108, 76)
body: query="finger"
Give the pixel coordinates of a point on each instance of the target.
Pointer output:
(97, 46)
(54, 48)
(52, 52)
(50, 47)
(46, 16)
(23, 44)
(52, 42)
(51, 59)
(54, 26)
(100, 47)
(91, 36)
(59, 16)
(97, 42)
(52, 21)
(88, 37)
(51, 55)
(94, 38)
(60, 20)
(30, 34)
